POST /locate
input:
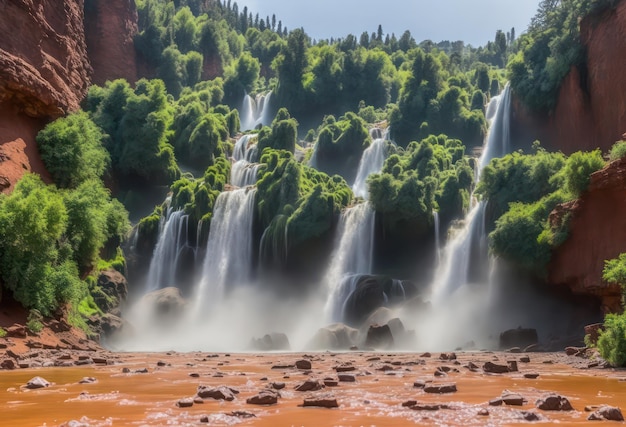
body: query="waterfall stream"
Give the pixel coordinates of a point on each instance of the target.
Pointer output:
(255, 111)
(453, 271)
(372, 161)
(353, 252)
(228, 257)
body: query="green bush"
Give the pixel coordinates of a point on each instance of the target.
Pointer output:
(612, 341)
(3, 333)
(34, 321)
(618, 151)
(71, 148)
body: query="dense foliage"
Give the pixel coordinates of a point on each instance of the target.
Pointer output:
(549, 49)
(72, 150)
(522, 190)
(612, 341)
(430, 175)
(49, 235)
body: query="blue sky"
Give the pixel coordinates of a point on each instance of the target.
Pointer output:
(473, 21)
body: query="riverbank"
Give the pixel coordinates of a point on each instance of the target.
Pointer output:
(367, 388)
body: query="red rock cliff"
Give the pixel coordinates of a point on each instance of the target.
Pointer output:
(597, 232)
(591, 108)
(44, 73)
(109, 29)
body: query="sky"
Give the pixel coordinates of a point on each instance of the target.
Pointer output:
(473, 21)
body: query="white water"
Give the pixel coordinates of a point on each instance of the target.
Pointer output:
(353, 253)
(229, 249)
(453, 272)
(372, 161)
(243, 172)
(255, 111)
(172, 241)
(437, 244)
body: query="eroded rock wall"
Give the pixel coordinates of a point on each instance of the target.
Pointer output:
(597, 232)
(109, 29)
(591, 108)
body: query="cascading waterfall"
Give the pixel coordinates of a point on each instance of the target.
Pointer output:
(352, 256)
(229, 249)
(255, 111)
(437, 244)
(372, 161)
(453, 271)
(173, 239)
(243, 172)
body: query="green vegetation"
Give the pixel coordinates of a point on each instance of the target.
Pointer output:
(430, 175)
(612, 341)
(618, 151)
(549, 49)
(34, 321)
(522, 190)
(72, 150)
(3, 333)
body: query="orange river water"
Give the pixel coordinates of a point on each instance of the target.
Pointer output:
(149, 399)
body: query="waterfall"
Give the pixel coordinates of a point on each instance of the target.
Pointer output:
(352, 256)
(453, 270)
(243, 172)
(255, 111)
(371, 162)
(172, 241)
(437, 245)
(229, 249)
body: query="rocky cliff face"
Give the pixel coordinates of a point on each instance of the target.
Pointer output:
(47, 50)
(44, 73)
(591, 108)
(109, 29)
(597, 227)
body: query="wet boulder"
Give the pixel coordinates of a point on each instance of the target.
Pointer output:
(164, 305)
(264, 397)
(322, 401)
(379, 337)
(37, 382)
(554, 402)
(606, 412)
(218, 393)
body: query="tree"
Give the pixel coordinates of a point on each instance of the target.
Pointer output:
(72, 150)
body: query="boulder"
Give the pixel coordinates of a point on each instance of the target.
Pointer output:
(520, 337)
(218, 393)
(379, 337)
(440, 388)
(606, 412)
(37, 382)
(554, 402)
(185, 403)
(334, 337)
(494, 368)
(114, 289)
(513, 399)
(310, 385)
(323, 401)
(303, 364)
(264, 397)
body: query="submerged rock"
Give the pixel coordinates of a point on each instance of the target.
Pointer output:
(264, 397)
(606, 412)
(219, 393)
(37, 382)
(323, 401)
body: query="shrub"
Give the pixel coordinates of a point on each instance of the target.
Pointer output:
(3, 333)
(34, 321)
(618, 151)
(612, 341)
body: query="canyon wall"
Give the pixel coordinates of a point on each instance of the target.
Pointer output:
(50, 53)
(597, 232)
(109, 29)
(591, 107)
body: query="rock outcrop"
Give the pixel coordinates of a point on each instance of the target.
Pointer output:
(44, 73)
(109, 29)
(597, 232)
(591, 107)
(44, 69)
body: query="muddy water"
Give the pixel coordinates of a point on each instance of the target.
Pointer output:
(149, 399)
